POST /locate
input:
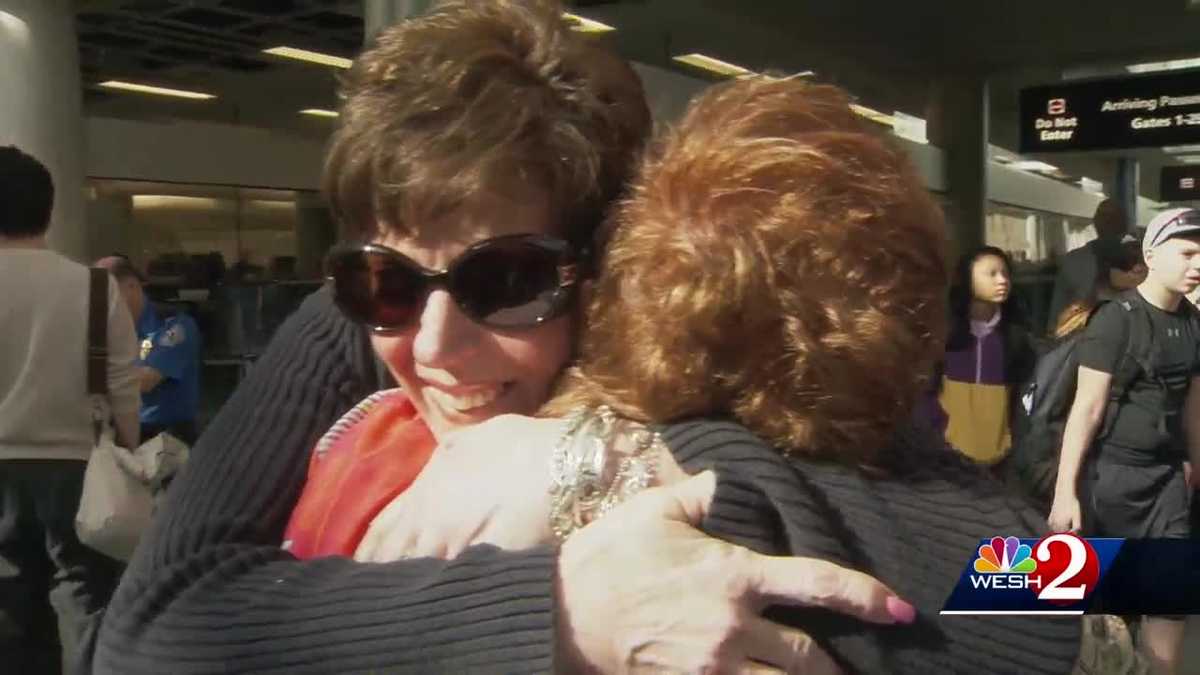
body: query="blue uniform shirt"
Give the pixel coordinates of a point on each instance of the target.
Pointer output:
(170, 345)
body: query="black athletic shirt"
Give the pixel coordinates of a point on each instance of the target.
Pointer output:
(1176, 354)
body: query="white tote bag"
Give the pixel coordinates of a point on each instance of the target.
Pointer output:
(117, 502)
(119, 485)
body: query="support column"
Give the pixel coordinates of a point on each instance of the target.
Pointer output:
(1125, 188)
(957, 122)
(379, 14)
(41, 107)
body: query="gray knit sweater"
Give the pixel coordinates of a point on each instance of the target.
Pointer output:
(210, 590)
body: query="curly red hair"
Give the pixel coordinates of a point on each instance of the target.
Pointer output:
(776, 261)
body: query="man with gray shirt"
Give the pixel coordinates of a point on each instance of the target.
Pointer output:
(46, 427)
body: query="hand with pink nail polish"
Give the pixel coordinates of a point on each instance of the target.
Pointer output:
(648, 622)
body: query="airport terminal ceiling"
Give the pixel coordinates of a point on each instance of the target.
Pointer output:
(887, 53)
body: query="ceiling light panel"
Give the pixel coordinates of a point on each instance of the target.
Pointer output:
(717, 66)
(158, 91)
(1158, 66)
(319, 58)
(586, 25)
(873, 114)
(1034, 165)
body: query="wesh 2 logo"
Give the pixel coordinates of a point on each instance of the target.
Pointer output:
(1010, 576)
(1066, 568)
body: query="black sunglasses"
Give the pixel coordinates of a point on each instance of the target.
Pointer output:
(514, 281)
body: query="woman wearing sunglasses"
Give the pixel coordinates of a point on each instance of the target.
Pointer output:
(477, 150)
(779, 265)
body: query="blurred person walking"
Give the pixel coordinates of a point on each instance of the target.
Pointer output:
(1078, 269)
(989, 352)
(46, 432)
(1134, 415)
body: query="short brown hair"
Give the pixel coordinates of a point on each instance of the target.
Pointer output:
(466, 99)
(776, 261)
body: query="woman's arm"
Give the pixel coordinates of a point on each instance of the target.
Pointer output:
(913, 527)
(123, 396)
(209, 590)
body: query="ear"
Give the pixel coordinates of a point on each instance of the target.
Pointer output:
(1148, 256)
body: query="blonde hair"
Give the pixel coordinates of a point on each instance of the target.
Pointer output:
(776, 261)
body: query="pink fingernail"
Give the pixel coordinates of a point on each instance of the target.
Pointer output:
(901, 611)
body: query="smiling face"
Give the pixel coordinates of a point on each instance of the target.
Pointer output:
(458, 372)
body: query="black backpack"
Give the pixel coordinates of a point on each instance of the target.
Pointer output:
(1048, 396)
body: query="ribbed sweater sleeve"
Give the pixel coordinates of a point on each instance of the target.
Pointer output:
(914, 527)
(210, 591)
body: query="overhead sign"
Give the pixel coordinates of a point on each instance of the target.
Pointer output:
(1132, 112)
(1179, 183)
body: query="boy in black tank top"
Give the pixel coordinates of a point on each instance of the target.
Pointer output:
(1137, 395)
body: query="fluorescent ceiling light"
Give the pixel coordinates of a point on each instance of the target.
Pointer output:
(909, 127)
(317, 112)
(1189, 159)
(873, 114)
(712, 65)
(726, 69)
(173, 202)
(1177, 64)
(311, 57)
(586, 25)
(15, 29)
(803, 73)
(277, 204)
(1034, 165)
(147, 89)
(1178, 149)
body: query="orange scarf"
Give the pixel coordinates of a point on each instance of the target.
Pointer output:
(373, 454)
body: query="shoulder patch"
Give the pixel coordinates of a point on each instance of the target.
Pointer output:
(172, 336)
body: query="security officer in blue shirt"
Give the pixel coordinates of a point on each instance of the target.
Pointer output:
(169, 361)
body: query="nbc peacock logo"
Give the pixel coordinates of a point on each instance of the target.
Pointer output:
(1005, 555)
(1005, 563)
(1008, 575)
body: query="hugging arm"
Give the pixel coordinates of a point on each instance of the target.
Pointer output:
(210, 590)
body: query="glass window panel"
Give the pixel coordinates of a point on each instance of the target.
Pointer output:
(239, 259)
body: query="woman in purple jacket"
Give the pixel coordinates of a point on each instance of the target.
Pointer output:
(988, 354)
